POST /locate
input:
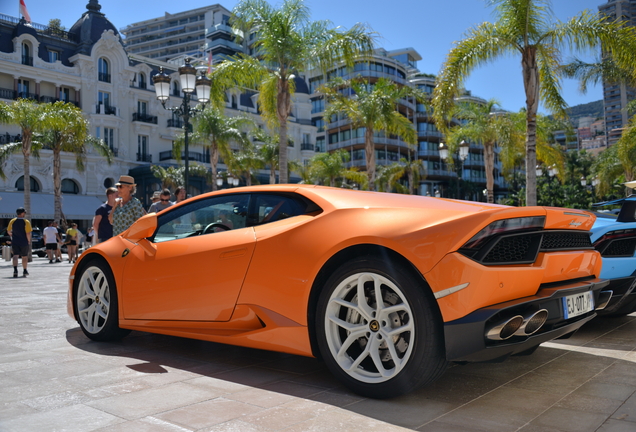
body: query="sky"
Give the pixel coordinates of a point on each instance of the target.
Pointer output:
(431, 27)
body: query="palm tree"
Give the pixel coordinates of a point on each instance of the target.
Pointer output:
(389, 176)
(529, 29)
(415, 171)
(215, 131)
(173, 176)
(326, 168)
(268, 151)
(28, 116)
(304, 171)
(287, 44)
(245, 162)
(373, 109)
(66, 130)
(486, 125)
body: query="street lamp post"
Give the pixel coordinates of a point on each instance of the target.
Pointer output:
(189, 82)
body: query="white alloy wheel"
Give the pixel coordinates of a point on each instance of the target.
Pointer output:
(93, 300)
(370, 340)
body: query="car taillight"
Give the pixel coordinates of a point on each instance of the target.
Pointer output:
(507, 241)
(505, 226)
(619, 243)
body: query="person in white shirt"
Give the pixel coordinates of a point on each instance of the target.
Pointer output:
(51, 239)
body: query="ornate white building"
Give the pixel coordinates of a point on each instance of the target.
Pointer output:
(90, 67)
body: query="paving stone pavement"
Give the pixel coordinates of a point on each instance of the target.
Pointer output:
(52, 378)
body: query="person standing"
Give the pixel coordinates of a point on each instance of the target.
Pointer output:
(101, 222)
(20, 229)
(163, 203)
(180, 194)
(71, 242)
(127, 208)
(58, 252)
(51, 240)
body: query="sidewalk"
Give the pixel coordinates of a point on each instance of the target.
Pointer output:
(52, 378)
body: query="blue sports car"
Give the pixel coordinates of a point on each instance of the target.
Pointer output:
(614, 236)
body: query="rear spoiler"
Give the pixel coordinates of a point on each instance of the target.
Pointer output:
(628, 208)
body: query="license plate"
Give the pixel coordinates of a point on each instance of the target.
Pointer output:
(578, 304)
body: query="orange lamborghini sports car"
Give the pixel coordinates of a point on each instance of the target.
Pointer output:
(385, 288)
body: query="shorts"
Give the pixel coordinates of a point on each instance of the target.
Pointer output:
(51, 246)
(72, 243)
(22, 251)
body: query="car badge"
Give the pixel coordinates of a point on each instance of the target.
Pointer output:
(575, 223)
(125, 252)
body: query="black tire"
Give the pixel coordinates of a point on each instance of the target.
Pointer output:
(95, 302)
(390, 362)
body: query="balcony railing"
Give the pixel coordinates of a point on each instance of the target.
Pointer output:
(27, 60)
(193, 156)
(144, 157)
(308, 146)
(142, 117)
(48, 99)
(26, 95)
(175, 123)
(103, 77)
(106, 109)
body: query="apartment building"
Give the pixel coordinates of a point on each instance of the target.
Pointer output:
(617, 96)
(196, 33)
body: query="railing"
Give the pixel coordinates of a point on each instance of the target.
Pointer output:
(429, 133)
(40, 28)
(106, 109)
(7, 93)
(103, 77)
(308, 146)
(175, 123)
(141, 117)
(8, 138)
(48, 99)
(27, 60)
(144, 157)
(193, 156)
(115, 151)
(25, 95)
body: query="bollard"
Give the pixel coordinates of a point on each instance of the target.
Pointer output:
(6, 253)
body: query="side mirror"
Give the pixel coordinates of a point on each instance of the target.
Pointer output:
(143, 228)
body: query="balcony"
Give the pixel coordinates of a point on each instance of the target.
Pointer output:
(48, 99)
(144, 157)
(308, 146)
(103, 77)
(193, 156)
(145, 118)
(105, 109)
(175, 123)
(26, 95)
(27, 60)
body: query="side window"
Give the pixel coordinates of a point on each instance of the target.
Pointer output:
(202, 217)
(271, 207)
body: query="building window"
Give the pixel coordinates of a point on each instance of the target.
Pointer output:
(27, 58)
(54, 56)
(142, 107)
(35, 186)
(103, 70)
(65, 94)
(143, 151)
(142, 80)
(70, 187)
(23, 89)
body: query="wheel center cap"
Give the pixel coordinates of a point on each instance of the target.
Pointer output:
(374, 326)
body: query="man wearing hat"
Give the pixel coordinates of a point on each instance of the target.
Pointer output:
(20, 231)
(127, 208)
(163, 202)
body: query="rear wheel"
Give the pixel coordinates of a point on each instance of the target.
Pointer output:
(378, 330)
(96, 302)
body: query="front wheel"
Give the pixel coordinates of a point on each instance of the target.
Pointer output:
(96, 302)
(378, 330)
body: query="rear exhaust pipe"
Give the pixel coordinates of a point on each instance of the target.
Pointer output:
(532, 323)
(505, 329)
(603, 299)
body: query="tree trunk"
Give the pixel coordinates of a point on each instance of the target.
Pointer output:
(57, 185)
(283, 109)
(369, 150)
(489, 161)
(531, 86)
(26, 152)
(214, 160)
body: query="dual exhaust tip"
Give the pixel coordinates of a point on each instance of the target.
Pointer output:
(518, 326)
